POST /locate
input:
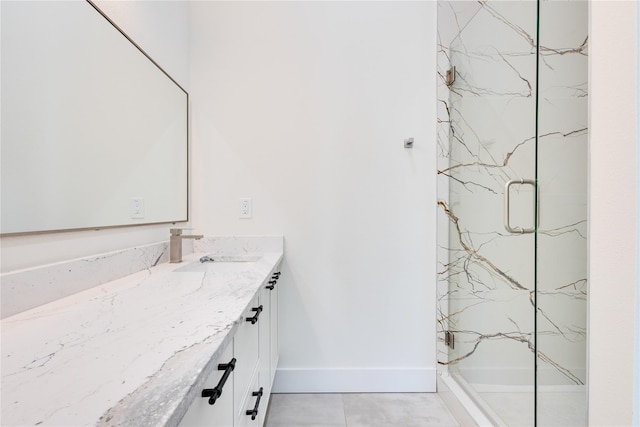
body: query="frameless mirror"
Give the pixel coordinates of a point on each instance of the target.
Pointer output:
(94, 133)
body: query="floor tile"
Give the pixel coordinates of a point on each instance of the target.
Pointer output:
(306, 410)
(397, 409)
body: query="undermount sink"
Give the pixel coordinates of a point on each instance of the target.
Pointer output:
(218, 265)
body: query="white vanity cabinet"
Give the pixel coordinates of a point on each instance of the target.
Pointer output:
(255, 351)
(257, 397)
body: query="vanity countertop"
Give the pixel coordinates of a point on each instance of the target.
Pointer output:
(134, 351)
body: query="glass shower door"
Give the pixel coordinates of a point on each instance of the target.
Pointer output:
(515, 201)
(492, 165)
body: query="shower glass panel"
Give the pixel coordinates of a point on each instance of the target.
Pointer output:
(512, 206)
(561, 290)
(492, 272)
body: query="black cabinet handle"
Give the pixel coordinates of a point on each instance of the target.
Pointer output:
(254, 319)
(271, 285)
(254, 412)
(214, 393)
(275, 275)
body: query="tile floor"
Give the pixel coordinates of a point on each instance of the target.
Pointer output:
(364, 410)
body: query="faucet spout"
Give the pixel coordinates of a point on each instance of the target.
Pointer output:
(175, 243)
(192, 236)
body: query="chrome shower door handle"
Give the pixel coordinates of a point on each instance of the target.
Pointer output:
(507, 225)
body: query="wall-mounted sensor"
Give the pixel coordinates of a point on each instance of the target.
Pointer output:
(408, 143)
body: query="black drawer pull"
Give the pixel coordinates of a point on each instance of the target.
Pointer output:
(275, 275)
(254, 319)
(271, 285)
(214, 393)
(254, 412)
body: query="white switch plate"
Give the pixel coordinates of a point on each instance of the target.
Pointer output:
(245, 208)
(137, 207)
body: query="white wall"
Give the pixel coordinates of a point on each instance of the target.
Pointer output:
(161, 29)
(613, 218)
(304, 106)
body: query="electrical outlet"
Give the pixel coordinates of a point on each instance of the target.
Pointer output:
(137, 207)
(245, 208)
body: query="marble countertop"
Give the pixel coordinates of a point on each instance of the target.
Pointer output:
(134, 351)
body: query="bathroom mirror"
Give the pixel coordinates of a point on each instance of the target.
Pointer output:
(94, 133)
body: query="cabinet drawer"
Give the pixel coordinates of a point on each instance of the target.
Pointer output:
(246, 352)
(220, 414)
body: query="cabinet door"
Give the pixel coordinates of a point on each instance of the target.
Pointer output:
(254, 406)
(246, 353)
(220, 414)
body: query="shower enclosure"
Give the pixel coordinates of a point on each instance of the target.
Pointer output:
(512, 207)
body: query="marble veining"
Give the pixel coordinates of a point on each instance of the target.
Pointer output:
(134, 351)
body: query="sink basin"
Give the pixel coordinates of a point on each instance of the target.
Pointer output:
(224, 265)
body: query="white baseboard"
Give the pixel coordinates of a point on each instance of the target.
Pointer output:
(373, 380)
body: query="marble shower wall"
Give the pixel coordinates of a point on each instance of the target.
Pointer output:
(486, 137)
